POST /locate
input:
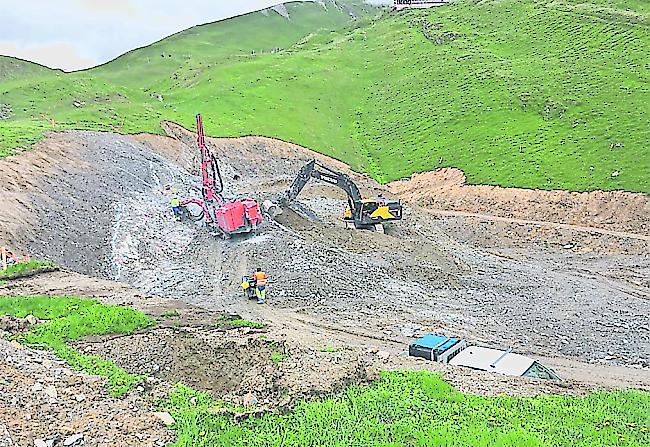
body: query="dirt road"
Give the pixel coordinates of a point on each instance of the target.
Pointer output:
(357, 353)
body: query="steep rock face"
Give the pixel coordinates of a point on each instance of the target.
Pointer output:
(351, 7)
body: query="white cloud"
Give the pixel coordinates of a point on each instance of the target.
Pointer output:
(53, 55)
(76, 34)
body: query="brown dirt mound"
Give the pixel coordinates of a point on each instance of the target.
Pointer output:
(219, 364)
(231, 364)
(446, 189)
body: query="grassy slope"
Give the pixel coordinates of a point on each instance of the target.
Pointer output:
(18, 73)
(547, 94)
(12, 68)
(419, 409)
(24, 269)
(543, 94)
(70, 319)
(198, 48)
(124, 94)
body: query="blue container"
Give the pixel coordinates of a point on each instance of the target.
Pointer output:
(432, 346)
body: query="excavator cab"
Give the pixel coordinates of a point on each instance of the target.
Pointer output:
(373, 212)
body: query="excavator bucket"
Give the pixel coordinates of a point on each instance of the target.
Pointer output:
(271, 209)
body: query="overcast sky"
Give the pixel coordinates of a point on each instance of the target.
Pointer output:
(76, 34)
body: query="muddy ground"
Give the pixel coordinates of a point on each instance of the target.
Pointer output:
(201, 348)
(99, 208)
(569, 290)
(44, 400)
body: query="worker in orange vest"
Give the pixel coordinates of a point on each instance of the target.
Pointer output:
(260, 285)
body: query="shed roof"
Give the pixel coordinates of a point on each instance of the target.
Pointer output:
(439, 342)
(493, 360)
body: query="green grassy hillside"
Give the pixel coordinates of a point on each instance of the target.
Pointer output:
(546, 94)
(12, 68)
(419, 409)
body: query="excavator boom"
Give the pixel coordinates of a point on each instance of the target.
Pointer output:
(325, 174)
(364, 213)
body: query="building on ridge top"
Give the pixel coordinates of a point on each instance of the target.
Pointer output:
(402, 4)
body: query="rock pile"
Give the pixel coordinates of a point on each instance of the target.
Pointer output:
(45, 404)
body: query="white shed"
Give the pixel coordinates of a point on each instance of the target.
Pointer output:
(402, 4)
(502, 362)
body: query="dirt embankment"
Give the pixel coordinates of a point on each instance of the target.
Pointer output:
(445, 189)
(26, 177)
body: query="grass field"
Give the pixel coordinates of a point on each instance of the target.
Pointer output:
(419, 409)
(546, 94)
(70, 319)
(244, 323)
(401, 409)
(23, 269)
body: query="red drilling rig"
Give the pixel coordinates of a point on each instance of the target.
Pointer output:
(227, 217)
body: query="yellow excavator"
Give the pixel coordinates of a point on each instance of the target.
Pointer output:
(361, 213)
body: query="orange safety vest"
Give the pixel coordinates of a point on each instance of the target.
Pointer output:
(260, 278)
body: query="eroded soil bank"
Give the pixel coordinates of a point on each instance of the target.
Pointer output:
(446, 190)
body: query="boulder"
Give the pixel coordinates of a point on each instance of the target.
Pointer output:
(165, 418)
(73, 440)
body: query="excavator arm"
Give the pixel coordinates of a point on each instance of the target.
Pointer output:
(313, 169)
(363, 213)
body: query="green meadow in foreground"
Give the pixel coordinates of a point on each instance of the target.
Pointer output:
(401, 409)
(70, 319)
(550, 94)
(420, 409)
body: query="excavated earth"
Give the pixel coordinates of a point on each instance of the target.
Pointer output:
(445, 189)
(567, 283)
(44, 400)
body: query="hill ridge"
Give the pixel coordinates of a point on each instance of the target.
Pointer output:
(548, 95)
